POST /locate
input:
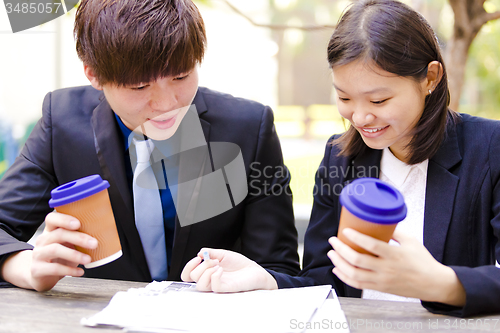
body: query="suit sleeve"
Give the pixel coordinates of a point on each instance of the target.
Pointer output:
(25, 189)
(269, 236)
(323, 225)
(481, 284)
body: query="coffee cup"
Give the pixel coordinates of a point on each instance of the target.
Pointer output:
(372, 207)
(87, 199)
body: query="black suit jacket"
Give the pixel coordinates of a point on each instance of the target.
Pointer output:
(461, 221)
(78, 136)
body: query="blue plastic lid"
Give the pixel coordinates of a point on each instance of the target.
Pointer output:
(76, 190)
(373, 200)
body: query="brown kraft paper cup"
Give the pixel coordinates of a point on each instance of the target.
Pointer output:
(379, 231)
(371, 207)
(97, 220)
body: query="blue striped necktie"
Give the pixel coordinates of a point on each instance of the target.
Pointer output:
(148, 211)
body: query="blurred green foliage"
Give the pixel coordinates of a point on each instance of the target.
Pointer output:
(481, 93)
(202, 2)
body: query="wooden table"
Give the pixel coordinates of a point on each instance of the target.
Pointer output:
(385, 316)
(61, 309)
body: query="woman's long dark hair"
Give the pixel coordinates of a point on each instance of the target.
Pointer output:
(400, 41)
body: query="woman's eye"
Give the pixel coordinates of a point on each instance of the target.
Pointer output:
(379, 102)
(343, 99)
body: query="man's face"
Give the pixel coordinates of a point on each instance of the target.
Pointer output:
(158, 106)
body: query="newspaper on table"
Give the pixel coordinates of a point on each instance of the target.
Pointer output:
(174, 306)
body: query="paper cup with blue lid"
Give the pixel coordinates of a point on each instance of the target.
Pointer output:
(371, 207)
(87, 199)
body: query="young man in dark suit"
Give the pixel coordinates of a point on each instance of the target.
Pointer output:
(141, 59)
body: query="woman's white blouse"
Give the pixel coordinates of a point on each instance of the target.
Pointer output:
(411, 181)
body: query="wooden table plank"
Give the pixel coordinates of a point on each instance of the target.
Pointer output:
(61, 309)
(377, 316)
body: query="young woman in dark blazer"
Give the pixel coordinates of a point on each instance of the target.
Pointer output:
(391, 85)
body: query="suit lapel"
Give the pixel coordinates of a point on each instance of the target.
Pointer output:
(440, 194)
(110, 153)
(108, 146)
(366, 164)
(181, 237)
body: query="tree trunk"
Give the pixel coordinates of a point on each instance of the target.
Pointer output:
(456, 61)
(470, 16)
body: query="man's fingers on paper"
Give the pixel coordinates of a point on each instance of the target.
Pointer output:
(204, 282)
(216, 280)
(59, 253)
(198, 271)
(186, 272)
(56, 220)
(62, 236)
(213, 253)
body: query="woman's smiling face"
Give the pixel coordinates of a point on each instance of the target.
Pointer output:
(383, 107)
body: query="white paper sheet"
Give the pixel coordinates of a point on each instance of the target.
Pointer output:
(167, 307)
(328, 318)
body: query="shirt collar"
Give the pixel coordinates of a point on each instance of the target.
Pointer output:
(124, 130)
(165, 146)
(396, 170)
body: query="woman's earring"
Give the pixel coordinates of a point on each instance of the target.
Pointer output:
(430, 91)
